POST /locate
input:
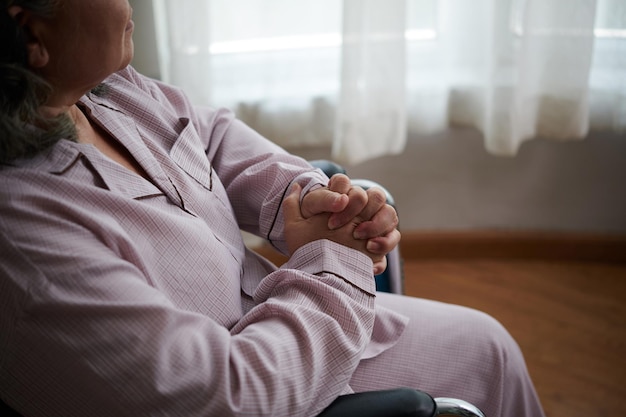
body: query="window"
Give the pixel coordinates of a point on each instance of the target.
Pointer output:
(261, 54)
(514, 69)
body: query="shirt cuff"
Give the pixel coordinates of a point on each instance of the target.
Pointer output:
(325, 256)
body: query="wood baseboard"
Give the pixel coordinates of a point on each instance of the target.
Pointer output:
(538, 245)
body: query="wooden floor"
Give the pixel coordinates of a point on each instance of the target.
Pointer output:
(569, 319)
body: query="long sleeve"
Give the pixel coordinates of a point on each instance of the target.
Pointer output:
(255, 172)
(85, 332)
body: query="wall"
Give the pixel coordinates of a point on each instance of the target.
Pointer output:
(146, 55)
(448, 181)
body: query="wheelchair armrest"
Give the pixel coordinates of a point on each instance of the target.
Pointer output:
(399, 402)
(456, 407)
(329, 168)
(7, 411)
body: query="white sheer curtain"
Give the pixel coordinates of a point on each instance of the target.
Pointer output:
(371, 115)
(360, 74)
(517, 70)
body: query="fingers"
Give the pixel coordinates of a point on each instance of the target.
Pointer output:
(291, 204)
(332, 199)
(380, 266)
(381, 222)
(357, 201)
(339, 183)
(348, 203)
(382, 245)
(376, 201)
(323, 200)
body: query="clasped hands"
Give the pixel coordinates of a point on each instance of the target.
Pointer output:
(354, 217)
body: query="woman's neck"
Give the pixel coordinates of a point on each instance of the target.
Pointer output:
(61, 102)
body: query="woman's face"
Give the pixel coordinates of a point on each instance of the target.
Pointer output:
(87, 40)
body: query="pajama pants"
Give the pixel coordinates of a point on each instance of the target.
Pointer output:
(452, 351)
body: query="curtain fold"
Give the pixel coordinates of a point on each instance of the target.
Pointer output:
(185, 46)
(362, 74)
(551, 93)
(527, 78)
(371, 115)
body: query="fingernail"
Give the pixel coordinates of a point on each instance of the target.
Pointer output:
(333, 223)
(372, 246)
(359, 234)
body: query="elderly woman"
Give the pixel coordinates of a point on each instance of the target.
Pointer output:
(125, 286)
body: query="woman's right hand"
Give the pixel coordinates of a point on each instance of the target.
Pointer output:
(300, 231)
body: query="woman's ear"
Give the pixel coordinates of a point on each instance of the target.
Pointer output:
(36, 50)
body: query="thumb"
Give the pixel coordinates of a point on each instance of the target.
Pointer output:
(291, 204)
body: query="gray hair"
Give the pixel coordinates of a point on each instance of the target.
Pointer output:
(24, 132)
